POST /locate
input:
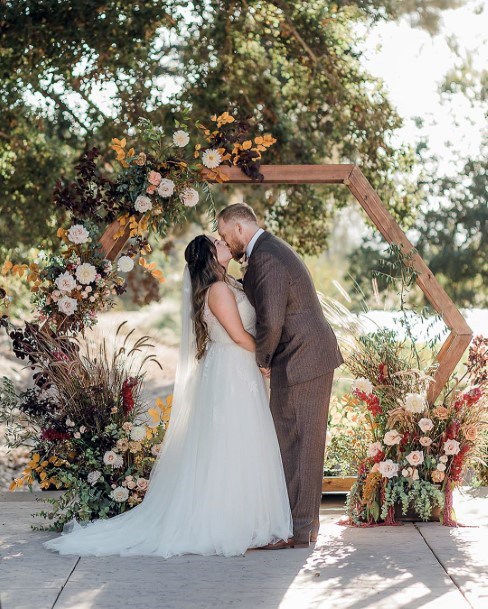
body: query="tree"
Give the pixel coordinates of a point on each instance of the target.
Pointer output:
(55, 55)
(294, 65)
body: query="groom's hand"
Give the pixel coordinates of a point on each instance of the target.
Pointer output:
(266, 372)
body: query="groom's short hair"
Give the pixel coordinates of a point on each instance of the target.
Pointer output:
(236, 212)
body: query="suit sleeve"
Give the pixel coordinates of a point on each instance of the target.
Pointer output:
(270, 286)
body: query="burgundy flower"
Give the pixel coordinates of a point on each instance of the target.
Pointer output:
(372, 401)
(51, 435)
(457, 464)
(379, 456)
(128, 393)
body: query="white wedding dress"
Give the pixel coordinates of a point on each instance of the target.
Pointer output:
(218, 485)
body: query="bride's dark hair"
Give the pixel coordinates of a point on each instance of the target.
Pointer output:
(205, 269)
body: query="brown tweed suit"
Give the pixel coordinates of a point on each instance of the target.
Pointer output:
(294, 340)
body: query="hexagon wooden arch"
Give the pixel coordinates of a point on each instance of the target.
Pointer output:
(352, 176)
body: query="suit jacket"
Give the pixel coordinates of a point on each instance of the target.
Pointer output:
(293, 338)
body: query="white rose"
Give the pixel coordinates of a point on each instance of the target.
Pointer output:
(166, 188)
(425, 441)
(67, 305)
(451, 447)
(374, 449)
(82, 429)
(125, 264)
(441, 467)
(110, 458)
(77, 435)
(362, 384)
(414, 402)
(392, 437)
(189, 197)
(138, 433)
(180, 138)
(120, 494)
(131, 484)
(69, 423)
(119, 461)
(407, 472)
(93, 477)
(143, 204)
(65, 282)
(426, 424)
(416, 457)
(211, 158)
(388, 469)
(78, 234)
(443, 459)
(86, 273)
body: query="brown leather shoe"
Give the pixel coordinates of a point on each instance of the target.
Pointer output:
(278, 545)
(299, 543)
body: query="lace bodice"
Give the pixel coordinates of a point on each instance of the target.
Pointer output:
(216, 332)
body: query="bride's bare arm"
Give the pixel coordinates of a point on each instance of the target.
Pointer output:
(223, 305)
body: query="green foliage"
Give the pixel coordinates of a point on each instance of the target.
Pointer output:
(421, 495)
(453, 233)
(295, 67)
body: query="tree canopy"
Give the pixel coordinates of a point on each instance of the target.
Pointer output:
(75, 74)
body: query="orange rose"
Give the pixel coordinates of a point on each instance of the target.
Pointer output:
(438, 476)
(441, 413)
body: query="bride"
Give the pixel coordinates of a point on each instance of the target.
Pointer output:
(217, 486)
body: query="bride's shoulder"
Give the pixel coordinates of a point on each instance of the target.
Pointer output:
(218, 290)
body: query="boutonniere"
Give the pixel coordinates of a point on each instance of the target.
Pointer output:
(244, 265)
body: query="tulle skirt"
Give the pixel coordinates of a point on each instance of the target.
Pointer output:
(218, 486)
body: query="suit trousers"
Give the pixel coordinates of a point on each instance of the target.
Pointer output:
(300, 415)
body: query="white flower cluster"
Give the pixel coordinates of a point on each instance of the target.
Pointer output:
(119, 494)
(125, 264)
(415, 402)
(113, 459)
(78, 234)
(138, 433)
(362, 384)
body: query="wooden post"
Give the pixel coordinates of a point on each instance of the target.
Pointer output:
(352, 177)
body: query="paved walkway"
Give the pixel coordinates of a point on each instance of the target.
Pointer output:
(413, 566)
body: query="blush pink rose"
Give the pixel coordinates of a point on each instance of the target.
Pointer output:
(154, 178)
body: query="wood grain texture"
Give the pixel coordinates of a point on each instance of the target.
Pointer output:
(337, 484)
(112, 247)
(293, 174)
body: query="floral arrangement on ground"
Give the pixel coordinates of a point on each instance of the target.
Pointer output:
(415, 453)
(86, 424)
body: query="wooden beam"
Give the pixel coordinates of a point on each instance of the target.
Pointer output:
(447, 359)
(293, 174)
(337, 484)
(112, 247)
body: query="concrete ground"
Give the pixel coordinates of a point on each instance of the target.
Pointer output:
(413, 566)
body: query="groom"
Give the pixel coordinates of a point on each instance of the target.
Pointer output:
(298, 349)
